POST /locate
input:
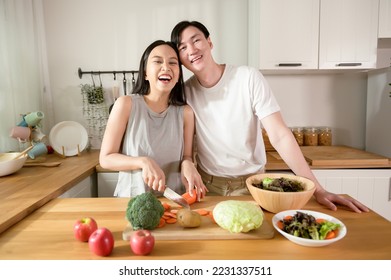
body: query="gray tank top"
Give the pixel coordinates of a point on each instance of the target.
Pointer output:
(158, 136)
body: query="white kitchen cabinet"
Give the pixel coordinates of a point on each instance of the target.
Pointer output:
(85, 188)
(384, 19)
(107, 181)
(317, 34)
(348, 34)
(289, 34)
(371, 187)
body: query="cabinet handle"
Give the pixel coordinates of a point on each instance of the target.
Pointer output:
(289, 64)
(389, 190)
(349, 64)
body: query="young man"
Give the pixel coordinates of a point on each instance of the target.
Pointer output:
(230, 105)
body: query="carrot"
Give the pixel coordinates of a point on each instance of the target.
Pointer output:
(171, 221)
(169, 215)
(166, 206)
(288, 218)
(174, 211)
(319, 220)
(190, 199)
(280, 225)
(202, 212)
(162, 222)
(331, 234)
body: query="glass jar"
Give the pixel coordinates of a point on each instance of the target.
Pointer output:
(311, 136)
(299, 136)
(325, 136)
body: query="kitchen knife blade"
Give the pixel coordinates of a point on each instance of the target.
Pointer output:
(173, 196)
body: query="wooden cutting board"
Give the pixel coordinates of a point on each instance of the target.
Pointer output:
(341, 156)
(208, 230)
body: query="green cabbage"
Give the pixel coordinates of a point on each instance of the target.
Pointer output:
(238, 216)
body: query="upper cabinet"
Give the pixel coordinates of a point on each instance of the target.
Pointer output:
(318, 34)
(289, 34)
(385, 19)
(348, 34)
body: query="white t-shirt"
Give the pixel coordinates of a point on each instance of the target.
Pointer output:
(228, 128)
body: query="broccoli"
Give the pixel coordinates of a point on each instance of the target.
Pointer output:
(144, 211)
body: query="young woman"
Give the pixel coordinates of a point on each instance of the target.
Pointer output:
(149, 134)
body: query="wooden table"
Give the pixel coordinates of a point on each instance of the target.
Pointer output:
(31, 187)
(47, 234)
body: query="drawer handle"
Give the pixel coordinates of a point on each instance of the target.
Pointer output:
(289, 64)
(389, 190)
(349, 64)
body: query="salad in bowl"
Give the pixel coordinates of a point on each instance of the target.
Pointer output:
(309, 228)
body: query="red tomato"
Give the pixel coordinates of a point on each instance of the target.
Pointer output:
(142, 242)
(83, 228)
(101, 242)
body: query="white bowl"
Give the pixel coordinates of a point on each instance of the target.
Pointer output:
(304, 241)
(8, 163)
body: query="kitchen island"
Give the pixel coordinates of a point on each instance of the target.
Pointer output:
(48, 234)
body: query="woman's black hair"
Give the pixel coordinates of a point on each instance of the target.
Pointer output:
(176, 32)
(141, 87)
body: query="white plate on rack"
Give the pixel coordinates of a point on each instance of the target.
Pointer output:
(68, 138)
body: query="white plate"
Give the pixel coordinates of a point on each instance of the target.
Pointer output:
(68, 134)
(304, 241)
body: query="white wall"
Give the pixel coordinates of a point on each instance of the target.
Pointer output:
(111, 35)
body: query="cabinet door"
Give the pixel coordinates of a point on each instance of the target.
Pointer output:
(107, 181)
(348, 34)
(289, 34)
(385, 19)
(371, 187)
(85, 188)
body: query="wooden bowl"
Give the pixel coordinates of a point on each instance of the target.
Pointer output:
(276, 202)
(8, 163)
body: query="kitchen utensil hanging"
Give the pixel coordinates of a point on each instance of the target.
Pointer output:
(124, 83)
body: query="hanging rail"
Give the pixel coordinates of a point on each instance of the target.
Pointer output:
(81, 73)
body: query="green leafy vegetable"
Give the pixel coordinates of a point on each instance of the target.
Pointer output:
(280, 185)
(144, 211)
(238, 216)
(306, 226)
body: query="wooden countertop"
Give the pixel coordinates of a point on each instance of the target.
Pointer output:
(31, 187)
(48, 234)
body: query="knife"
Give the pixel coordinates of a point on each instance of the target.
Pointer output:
(173, 196)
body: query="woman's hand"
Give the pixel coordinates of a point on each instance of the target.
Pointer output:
(153, 175)
(330, 200)
(192, 179)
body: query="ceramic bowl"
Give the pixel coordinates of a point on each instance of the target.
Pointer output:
(8, 163)
(275, 202)
(309, 242)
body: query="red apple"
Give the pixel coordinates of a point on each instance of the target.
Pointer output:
(83, 228)
(101, 242)
(142, 242)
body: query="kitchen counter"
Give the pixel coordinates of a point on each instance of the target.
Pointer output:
(31, 187)
(48, 234)
(331, 157)
(323, 157)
